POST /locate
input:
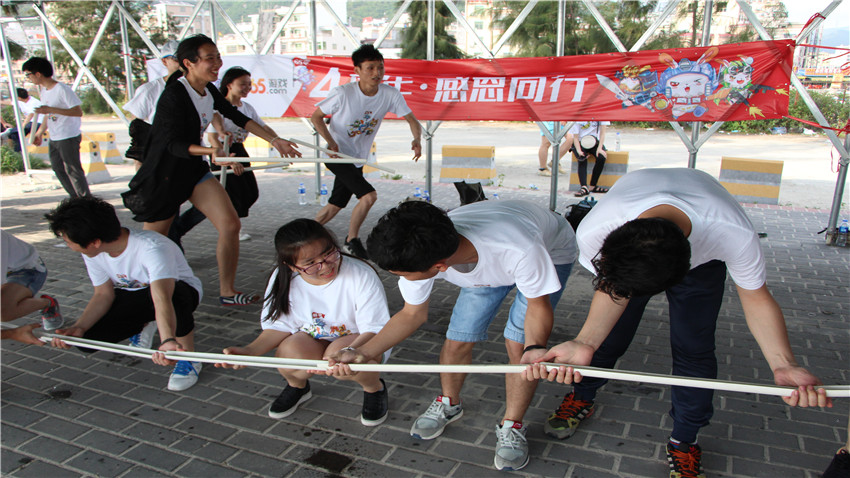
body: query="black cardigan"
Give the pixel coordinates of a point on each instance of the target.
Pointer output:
(169, 173)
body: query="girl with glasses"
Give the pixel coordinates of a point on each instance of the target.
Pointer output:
(319, 302)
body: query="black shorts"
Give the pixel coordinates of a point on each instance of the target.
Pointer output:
(349, 180)
(132, 309)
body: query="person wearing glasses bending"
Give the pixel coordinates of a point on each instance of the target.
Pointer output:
(319, 302)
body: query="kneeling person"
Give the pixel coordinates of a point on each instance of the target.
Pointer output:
(138, 276)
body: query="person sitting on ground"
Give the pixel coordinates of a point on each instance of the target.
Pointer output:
(317, 303)
(675, 231)
(23, 276)
(486, 248)
(543, 151)
(138, 277)
(588, 139)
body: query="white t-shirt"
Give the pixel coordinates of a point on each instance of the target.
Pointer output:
(517, 242)
(29, 106)
(240, 134)
(353, 303)
(720, 229)
(16, 255)
(356, 118)
(149, 256)
(61, 126)
(143, 105)
(203, 105)
(585, 128)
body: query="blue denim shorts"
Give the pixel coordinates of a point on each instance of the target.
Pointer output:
(32, 279)
(209, 175)
(476, 307)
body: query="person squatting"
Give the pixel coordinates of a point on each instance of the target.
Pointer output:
(675, 231)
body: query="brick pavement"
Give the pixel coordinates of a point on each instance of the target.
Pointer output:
(66, 414)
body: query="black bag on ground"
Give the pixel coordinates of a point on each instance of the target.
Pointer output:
(576, 212)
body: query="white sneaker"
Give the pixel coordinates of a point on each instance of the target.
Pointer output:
(144, 339)
(432, 423)
(185, 375)
(244, 237)
(511, 446)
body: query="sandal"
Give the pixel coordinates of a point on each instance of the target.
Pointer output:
(238, 299)
(582, 192)
(599, 189)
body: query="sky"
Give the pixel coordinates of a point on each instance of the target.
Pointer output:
(802, 10)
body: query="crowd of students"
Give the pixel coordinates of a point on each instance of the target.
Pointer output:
(675, 231)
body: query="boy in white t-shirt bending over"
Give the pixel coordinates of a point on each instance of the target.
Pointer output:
(675, 231)
(61, 107)
(357, 110)
(486, 248)
(138, 277)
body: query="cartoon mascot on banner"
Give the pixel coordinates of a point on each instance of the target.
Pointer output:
(687, 84)
(636, 86)
(736, 79)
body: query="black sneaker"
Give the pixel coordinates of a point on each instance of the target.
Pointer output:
(685, 460)
(355, 248)
(287, 402)
(375, 407)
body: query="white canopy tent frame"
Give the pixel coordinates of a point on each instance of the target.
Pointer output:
(692, 143)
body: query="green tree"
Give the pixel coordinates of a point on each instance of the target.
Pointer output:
(79, 22)
(360, 9)
(414, 42)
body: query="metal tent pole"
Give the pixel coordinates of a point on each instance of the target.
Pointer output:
(429, 140)
(128, 60)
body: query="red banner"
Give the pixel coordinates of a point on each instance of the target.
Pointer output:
(741, 81)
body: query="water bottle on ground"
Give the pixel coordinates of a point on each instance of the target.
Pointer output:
(417, 193)
(496, 196)
(843, 232)
(617, 142)
(323, 196)
(426, 196)
(302, 194)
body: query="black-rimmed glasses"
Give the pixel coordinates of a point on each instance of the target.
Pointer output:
(332, 257)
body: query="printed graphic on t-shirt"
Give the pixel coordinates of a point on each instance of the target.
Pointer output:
(126, 283)
(318, 329)
(363, 126)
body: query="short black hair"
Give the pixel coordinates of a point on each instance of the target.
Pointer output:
(366, 52)
(84, 219)
(230, 76)
(188, 48)
(642, 257)
(22, 93)
(38, 64)
(412, 237)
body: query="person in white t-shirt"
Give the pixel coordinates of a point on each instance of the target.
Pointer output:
(143, 104)
(317, 303)
(61, 107)
(23, 275)
(357, 110)
(676, 231)
(487, 248)
(27, 105)
(588, 139)
(138, 277)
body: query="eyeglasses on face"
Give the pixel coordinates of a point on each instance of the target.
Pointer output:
(332, 257)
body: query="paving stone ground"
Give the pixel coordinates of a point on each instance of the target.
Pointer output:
(69, 414)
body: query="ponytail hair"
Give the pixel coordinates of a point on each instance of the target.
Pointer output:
(230, 76)
(288, 240)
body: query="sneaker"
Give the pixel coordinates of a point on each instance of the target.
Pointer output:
(840, 466)
(244, 237)
(544, 172)
(684, 460)
(355, 248)
(564, 422)
(432, 423)
(287, 402)
(144, 339)
(375, 407)
(185, 375)
(511, 446)
(51, 318)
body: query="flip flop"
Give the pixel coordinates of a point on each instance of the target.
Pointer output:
(599, 189)
(582, 192)
(238, 299)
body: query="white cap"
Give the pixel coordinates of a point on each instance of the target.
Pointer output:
(169, 49)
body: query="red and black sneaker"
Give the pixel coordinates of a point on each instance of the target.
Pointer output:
(684, 460)
(564, 422)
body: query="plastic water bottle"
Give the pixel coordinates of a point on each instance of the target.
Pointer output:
(323, 196)
(417, 193)
(496, 196)
(426, 196)
(843, 232)
(617, 142)
(302, 194)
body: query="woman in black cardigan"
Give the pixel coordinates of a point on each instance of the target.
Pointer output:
(174, 171)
